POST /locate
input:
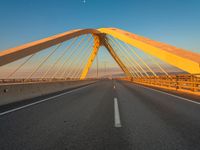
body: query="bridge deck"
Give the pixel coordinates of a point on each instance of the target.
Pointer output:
(84, 118)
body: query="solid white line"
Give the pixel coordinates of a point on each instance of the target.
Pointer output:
(116, 113)
(43, 100)
(186, 99)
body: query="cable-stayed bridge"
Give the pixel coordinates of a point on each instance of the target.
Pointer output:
(48, 90)
(70, 55)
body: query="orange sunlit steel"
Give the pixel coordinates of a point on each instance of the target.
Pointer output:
(183, 59)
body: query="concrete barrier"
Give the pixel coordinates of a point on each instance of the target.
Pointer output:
(10, 93)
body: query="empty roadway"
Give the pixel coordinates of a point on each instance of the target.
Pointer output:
(104, 115)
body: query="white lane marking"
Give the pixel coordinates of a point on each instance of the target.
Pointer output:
(116, 113)
(43, 100)
(114, 86)
(186, 99)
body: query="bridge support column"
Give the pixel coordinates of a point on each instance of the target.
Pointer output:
(105, 43)
(92, 56)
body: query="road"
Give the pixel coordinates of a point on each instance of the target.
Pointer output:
(103, 116)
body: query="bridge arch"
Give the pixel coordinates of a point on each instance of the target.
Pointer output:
(13, 54)
(180, 58)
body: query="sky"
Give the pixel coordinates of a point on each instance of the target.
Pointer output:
(176, 22)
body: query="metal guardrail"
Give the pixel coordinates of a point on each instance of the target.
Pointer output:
(187, 82)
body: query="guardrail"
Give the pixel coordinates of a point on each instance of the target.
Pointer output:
(15, 92)
(184, 82)
(4, 81)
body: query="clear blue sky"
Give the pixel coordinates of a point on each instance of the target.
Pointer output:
(176, 22)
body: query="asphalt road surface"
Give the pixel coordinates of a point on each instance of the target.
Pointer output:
(105, 115)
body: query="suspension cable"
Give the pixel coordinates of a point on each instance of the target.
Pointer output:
(120, 45)
(78, 73)
(82, 64)
(42, 62)
(137, 63)
(85, 55)
(61, 56)
(134, 52)
(76, 59)
(131, 65)
(70, 55)
(159, 66)
(20, 66)
(128, 60)
(78, 63)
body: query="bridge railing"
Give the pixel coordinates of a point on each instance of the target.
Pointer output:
(183, 82)
(36, 80)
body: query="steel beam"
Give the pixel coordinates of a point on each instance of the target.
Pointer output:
(92, 57)
(180, 58)
(22, 51)
(116, 58)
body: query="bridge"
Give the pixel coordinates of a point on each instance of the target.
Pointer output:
(49, 98)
